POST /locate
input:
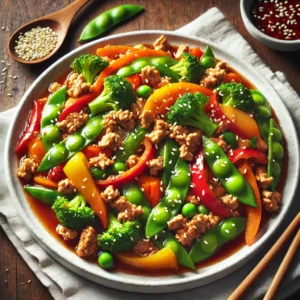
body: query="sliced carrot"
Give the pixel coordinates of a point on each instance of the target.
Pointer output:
(151, 188)
(94, 150)
(112, 51)
(253, 214)
(135, 81)
(232, 77)
(45, 182)
(36, 148)
(196, 52)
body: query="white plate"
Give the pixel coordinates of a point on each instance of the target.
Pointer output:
(132, 282)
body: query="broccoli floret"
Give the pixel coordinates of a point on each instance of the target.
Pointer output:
(189, 111)
(117, 94)
(89, 66)
(236, 95)
(188, 68)
(74, 214)
(119, 237)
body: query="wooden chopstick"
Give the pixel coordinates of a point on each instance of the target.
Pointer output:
(283, 268)
(240, 290)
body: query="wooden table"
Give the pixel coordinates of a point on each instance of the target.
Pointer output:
(17, 281)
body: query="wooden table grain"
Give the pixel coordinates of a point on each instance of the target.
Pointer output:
(17, 281)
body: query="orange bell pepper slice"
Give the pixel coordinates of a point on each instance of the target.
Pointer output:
(36, 148)
(196, 52)
(232, 77)
(151, 187)
(94, 151)
(165, 97)
(123, 61)
(45, 182)
(78, 172)
(254, 215)
(165, 259)
(111, 51)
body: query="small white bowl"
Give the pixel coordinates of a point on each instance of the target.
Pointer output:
(277, 44)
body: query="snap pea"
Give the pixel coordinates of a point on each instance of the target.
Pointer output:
(72, 144)
(173, 200)
(50, 133)
(170, 154)
(115, 169)
(275, 154)
(131, 143)
(231, 179)
(263, 113)
(208, 59)
(212, 240)
(162, 64)
(166, 239)
(108, 19)
(46, 195)
(135, 196)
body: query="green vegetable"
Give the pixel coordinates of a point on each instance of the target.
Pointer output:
(230, 139)
(48, 196)
(131, 143)
(208, 59)
(160, 63)
(72, 144)
(188, 68)
(109, 19)
(170, 154)
(144, 91)
(231, 179)
(117, 94)
(74, 214)
(105, 260)
(119, 237)
(188, 110)
(203, 210)
(236, 95)
(211, 241)
(275, 154)
(253, 143)
(166, 239)
(189, 210)
(50, 133)
(172, 202)
(135, 196)
(89, 66)
(115, 169)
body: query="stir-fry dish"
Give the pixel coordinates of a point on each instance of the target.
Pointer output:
(152, 156)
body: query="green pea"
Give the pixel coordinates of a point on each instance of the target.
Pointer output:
(104, 21)
(203, 210)
(230, 139)
(277, 135)
(235, 184)
(74, 142)
(118, 13)
(59, 153)
(208, 62)
(139, 65)
(134, 196)
(180, 179)
(221, 168)
(161, 215)
(144, 91)
(172, 245)
(105, 260)
(276, 169)
(118, 167)
(51, 134)
(209, 243)
(263, 112)
(277, 151)
(189, 210)
(227, 230)
(98, 173)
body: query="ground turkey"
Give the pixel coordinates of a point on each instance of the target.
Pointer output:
(66, 233)
(77, 86)
(27, 168)
(88, 244)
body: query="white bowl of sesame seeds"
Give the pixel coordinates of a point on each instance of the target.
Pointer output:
(274, 23)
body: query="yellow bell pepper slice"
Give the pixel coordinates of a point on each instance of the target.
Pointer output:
(165, 259)
(77, 171)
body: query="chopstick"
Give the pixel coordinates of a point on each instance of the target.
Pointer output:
(240, 290)
(283, 267)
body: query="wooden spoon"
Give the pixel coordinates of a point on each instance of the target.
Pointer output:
(59, 22)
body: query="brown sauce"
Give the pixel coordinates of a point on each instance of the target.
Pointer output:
(47, 218)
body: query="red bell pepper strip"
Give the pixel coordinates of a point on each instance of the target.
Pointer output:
(33, 125)
(77, 105)
(253, 154)
(135, 81)
(201, 189)
(130, 174)
(196, 52)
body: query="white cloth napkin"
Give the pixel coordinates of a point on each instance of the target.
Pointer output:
(64, 284)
